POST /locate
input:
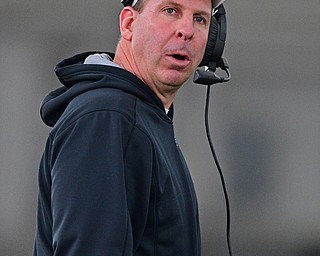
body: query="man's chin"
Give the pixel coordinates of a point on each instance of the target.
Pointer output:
(176, 78)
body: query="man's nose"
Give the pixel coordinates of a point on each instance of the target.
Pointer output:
(185, 29)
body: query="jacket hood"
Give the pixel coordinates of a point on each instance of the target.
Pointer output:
(78, 78)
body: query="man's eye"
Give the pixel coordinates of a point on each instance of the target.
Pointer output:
(199, 19)
(170, 10)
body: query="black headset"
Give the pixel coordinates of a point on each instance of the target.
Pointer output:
(216, 38)
(212, 58)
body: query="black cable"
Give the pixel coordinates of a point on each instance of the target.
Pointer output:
(218, 167)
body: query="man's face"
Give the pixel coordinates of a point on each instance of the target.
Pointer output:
(169, 39)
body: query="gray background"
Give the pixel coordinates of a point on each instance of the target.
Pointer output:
(265, 123)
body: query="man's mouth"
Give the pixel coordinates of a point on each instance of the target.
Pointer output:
(179, 57)
(179, 60)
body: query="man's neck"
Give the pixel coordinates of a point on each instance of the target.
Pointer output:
(124, 58)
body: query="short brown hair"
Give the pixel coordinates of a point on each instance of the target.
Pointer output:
(140, 5)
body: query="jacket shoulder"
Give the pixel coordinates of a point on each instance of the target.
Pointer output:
(97, 100)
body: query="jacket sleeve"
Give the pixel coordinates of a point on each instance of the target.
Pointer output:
(90, 206)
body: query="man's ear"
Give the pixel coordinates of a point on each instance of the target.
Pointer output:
(126, 19)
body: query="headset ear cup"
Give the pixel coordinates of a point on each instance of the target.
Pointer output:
(216, 39)
(211, 43)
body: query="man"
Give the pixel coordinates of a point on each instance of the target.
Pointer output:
(112, 179)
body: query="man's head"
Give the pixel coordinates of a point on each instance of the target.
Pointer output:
(163, 41)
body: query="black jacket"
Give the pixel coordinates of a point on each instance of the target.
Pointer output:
(112, 179)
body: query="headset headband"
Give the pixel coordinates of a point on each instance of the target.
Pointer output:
(134, 2)
(129, 2)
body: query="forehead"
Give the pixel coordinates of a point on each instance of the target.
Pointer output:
(204, 5)
(215, 3)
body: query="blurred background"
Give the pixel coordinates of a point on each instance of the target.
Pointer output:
(265, 123)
